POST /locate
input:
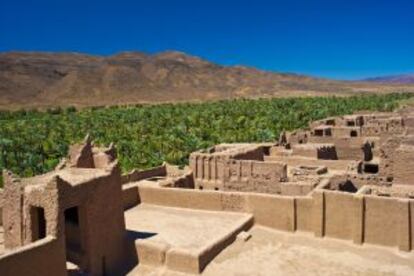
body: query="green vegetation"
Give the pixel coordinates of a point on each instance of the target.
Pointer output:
(33, 142)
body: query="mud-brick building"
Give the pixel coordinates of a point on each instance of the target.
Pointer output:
(73, 214)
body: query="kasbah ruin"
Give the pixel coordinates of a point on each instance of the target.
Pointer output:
(334, 199)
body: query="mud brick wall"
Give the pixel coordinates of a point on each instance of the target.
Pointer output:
(403, 165)
(44, 257)
(354, 217)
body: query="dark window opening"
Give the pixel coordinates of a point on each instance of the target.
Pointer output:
(71, 215)
(38, 223)
(328, 132)
(350, 123)
(371, 168)
(266, 150)
(216, 189)
(318, 132)
(327, 153)
(368, 155)
(200, 187)
(348, 187)
(354, 133)
(330, 122)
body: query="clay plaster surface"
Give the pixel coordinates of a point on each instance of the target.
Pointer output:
(184, 228)
(1, 240)
(270, 252)
(72, 175)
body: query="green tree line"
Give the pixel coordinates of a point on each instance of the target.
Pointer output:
(33, 142)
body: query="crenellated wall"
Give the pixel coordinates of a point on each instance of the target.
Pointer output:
(238, 168)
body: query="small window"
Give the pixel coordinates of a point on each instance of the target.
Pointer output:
(354, 133)
(330, 122)
(328, 132)
(318, 132)
(371, 168)
(216, 189)
(350, 123)
(200, 187)
(72, 216)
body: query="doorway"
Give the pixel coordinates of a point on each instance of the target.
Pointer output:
(74, 250)
(37, 215)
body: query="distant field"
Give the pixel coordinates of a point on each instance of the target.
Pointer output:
(33, 142)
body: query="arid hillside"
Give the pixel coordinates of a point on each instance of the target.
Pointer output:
(406, 79)
(35, 79)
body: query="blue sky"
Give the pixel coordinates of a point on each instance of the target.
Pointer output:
(336, 39)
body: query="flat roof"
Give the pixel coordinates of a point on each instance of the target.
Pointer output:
(270, 252)
(74, 176)
(183, 228)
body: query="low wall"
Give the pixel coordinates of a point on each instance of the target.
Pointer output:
(324, 151)
(339, 215)
(297, 160)
(137, 175)
(304, 214)
(346, 148)
(268, 210)
(277, 212)
(404, 158)
(387, 222)
(184, 259)
(43, 257)
(249, 153)
(254, 176)
(130, 195)
(349, 216)
(186, 198)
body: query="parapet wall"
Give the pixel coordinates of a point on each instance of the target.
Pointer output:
(355, 217)
(43, 257)
(242, 170)
(136, 175)
(347, 148)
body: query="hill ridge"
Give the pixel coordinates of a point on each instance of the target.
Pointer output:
(37, 79)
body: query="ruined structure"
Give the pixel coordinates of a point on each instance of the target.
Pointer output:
(348, 178)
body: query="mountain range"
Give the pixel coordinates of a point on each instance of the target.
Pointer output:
(41, 79)
(402, 79)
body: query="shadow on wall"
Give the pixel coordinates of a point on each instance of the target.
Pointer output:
(133, 259)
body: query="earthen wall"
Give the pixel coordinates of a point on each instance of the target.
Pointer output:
(354, 217)
(43, 257)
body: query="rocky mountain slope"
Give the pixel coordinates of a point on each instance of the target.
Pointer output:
(402, 79)
(37, 79)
